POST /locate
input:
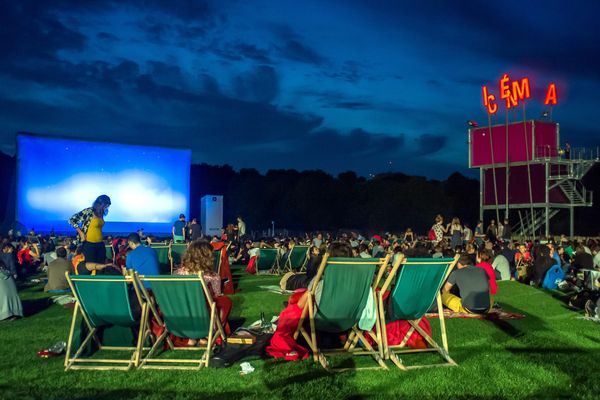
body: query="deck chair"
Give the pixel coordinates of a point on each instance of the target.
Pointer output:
(217, 260)
(176, 253)
(267, 261)
(186, 310)
(347, 284)
(297, 258)
(103, 301)
(414, 285)
(164, 258)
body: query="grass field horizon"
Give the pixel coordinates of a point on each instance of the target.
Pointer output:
(551, 353)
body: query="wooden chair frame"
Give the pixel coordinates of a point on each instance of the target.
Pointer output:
(355, 337)
(101, 363)
(147, 362)
(288, 267)
(392, 352)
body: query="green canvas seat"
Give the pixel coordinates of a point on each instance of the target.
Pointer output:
(177, 250)
(267, 260)
(345, 284)
(414, 285)
(103, 301)
(182, 305)
(217, 260)
(164, 259)
(297, 258)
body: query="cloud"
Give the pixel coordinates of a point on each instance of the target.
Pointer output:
(429, 143)
(260, 85)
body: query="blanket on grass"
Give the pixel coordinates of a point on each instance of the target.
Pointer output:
(492, 315)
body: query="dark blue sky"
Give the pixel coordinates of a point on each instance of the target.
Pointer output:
(335, 85)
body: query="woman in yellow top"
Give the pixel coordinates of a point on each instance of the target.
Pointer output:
(88, 223)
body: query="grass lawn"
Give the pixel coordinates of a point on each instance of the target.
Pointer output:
(549, 354)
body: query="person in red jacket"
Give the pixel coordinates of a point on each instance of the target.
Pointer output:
(483, 261)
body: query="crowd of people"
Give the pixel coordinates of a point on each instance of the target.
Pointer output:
(485, 256)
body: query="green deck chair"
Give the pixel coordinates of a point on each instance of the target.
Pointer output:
(267, 261)
(164, 258)
(186, 310)
(346, 286)
(177, 250)
(297, 259)
(415, 284)
(218, 257)
(103, 301)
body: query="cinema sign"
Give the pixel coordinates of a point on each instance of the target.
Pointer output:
(513, 92)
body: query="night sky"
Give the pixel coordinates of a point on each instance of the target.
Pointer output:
(369, 86)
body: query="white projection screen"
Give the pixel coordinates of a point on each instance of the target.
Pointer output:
(148, 186)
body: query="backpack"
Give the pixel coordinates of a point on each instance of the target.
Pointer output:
(555, 273)
(431, 235)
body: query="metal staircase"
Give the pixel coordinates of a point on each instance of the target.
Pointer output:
(529, 226)
(576, 193)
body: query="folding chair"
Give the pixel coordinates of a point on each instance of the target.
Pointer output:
(297, 258)
(176, 253)
(164, 259)
(347, 284)
(186, 310)
(414, 285)
(267, 261)
(103, 301)
(218, 256)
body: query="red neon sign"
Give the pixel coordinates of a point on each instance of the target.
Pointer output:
(514, 92)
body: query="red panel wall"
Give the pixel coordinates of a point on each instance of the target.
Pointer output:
(518, 186)
(521, 143)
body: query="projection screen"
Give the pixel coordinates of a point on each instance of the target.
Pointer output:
(148, 186)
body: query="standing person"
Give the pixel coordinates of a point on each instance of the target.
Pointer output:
(479, 235)
(178, 229)
(438, 229)
(467, 235)
(567, 151)
(10, 303)
(241, 228)
(141, 258)
(195, 230)
(88, 223)
(492, 231)
(507, 232)
(456, 230)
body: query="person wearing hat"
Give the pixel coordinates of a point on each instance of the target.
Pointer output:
(89, 223)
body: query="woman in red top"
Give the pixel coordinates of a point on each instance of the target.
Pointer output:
(483, 261)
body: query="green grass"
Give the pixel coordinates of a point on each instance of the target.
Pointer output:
(549, 354)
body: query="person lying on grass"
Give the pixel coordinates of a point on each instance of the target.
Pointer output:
(199, 257)
(467, 289)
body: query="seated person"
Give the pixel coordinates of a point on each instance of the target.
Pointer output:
(541, 265)
(523, 261)
(142, 259)
(483, 261)
(56, 271)
(10, 303)
(582, 259)
(472, 285)
(28, 256)
(199, 257)
(297, 280)
(8, 257)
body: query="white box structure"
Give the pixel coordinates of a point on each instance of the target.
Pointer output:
(211, 214)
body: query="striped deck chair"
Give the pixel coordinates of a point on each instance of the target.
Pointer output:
(297, 259)
(103, 301)
(186, 310)
(347, 285)
(164, 258)
(414, 285)
(267, 261)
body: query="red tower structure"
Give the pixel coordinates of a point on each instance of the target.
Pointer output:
(523, 168)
